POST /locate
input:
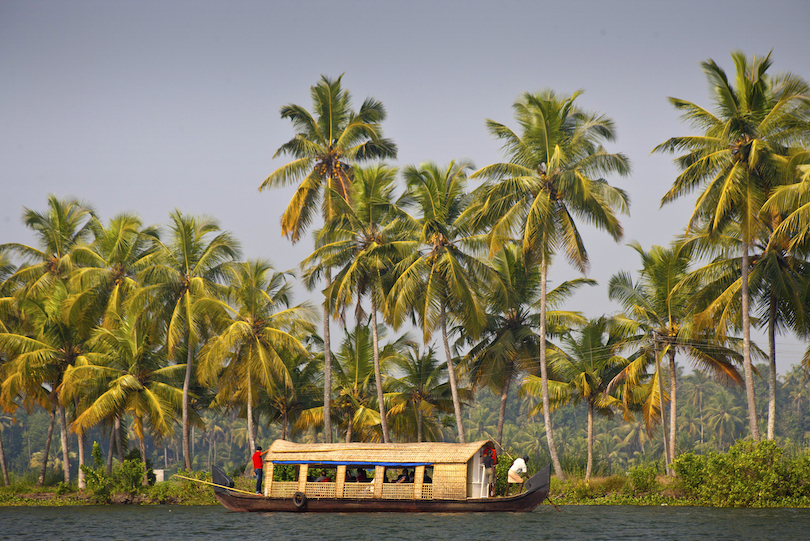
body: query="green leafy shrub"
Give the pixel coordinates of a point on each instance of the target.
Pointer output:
(750, 475)
(643, 479)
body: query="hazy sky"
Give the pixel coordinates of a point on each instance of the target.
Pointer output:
(150, 106)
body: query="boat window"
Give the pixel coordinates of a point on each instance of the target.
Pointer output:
(428, 475)
(321, 474)
(285, 472)
(363, 474)
(398, 475)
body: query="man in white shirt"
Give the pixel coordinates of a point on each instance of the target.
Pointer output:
(517, 469)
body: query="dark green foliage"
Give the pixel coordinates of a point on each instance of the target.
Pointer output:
(126, 477)
(284, 472)
(749, 475)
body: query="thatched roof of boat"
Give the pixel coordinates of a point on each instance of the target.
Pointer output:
(374, 453)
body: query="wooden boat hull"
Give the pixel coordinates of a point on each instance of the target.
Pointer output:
(536, 491)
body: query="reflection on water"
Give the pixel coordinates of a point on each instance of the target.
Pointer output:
(574, 522)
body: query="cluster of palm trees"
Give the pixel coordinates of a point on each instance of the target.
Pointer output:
(107, 321)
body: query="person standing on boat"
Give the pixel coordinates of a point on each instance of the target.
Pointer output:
(490, 459)
(517, 469)
(258, 467)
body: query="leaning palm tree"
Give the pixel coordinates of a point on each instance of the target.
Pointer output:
(327, 143)
(436, 280)
(553, 175)
(249, 351)
(658, 319)
(363, 242)
(181, 290)
(735, 161)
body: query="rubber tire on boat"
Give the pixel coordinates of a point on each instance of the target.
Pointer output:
(300, 500)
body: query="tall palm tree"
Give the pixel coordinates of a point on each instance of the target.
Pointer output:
(327, 142)
(553, 174)
(735, 161)
(363, 242)
(658, 318)
(437, 279)
(182, 291)
(585, 366)
(125, 372)
(249, 351)
(60, 230)
(510, 345)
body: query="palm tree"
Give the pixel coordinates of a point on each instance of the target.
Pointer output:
(735, 159)
(249, 351)
(511, 342)
(421, 392)
(363, 241)
(585, 366)
(725, 418)
(60, 231)
(553, 174)
(355, 406)
(182, 290)
(125, 373)
(326, 145)
(657, 314)
(436, 280)
(111, 265)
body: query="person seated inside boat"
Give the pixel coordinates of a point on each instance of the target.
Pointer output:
(349, 477)
(361, 476)
(323, 478)
(403, 477)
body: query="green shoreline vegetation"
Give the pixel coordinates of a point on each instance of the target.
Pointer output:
(165, 347)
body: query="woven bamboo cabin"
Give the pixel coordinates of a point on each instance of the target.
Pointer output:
(444, 477)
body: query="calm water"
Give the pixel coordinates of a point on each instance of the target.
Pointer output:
(574, 522)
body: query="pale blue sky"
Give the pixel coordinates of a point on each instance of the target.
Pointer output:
(150, 106)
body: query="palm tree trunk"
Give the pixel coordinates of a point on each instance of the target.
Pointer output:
(771, 365)
(142, 447)
(41, 480)
(186, 425)
(118, 444)
(746, 323)
(418, 426)
(3, 462)
(589, 466)
(660, 405)
(552, 449)
(377, 374)
(251, 438)
(451, 372)
(327, 365)
(284, 422)
(110, 451)
(80, 478)
(502, 409)
(64, 438)
(349, 429)
(673, 412)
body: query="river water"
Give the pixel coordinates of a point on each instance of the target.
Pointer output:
(586, 523)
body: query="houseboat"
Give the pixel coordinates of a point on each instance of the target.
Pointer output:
(376, 477)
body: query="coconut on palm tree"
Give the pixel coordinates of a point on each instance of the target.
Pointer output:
(553, 175)
(327, 143)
